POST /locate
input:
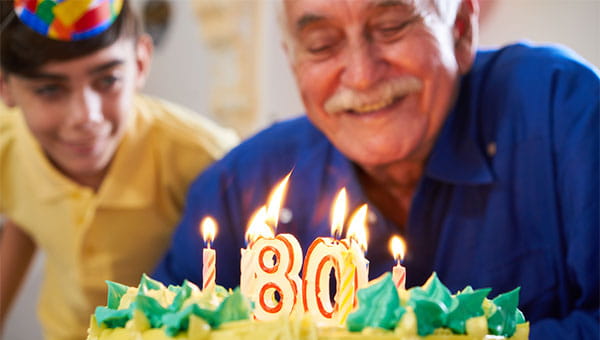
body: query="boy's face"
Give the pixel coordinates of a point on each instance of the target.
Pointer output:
(78, 109)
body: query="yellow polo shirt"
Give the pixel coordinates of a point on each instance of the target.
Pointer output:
(117, 233)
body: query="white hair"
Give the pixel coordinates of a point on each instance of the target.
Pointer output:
(444, 9)
(447, 9)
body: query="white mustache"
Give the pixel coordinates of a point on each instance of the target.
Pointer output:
(347, 99)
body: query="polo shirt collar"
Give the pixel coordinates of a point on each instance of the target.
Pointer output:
(457, 156)
(129, 183)
(132, 178)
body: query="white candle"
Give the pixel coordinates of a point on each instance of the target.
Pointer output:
(209, 256)
(209, 271)
(247, 273)
(257, 228)
(398, 249)
(347, 287)
(357, 235)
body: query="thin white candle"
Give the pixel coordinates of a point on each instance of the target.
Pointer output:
(209, 256)
(398, 248)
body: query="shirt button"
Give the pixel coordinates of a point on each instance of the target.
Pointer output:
(491, 149)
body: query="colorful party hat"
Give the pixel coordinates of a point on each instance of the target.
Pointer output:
(68, 20)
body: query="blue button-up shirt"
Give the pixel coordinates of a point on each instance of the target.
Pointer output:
(510, 194)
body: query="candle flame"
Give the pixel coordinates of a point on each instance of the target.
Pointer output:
(208, 228)
(258, 226)
(275, 201)
(338, 213)
(397, 247)
(357, 230)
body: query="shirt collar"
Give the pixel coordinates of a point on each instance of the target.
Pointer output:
(458, 156)
(129, 183)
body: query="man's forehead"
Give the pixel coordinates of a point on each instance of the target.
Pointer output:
(302, 12)
(302, 5)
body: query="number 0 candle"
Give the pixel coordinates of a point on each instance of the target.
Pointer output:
(209, 257)
(326, 254)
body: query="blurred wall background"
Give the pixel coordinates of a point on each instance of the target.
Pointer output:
(231, 68)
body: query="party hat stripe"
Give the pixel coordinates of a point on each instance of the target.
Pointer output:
(70, 11)
(44, 11)
(116, 6)
(91, 19)
(59, 31)
(94, 31)
(31, 20)
(31, 5)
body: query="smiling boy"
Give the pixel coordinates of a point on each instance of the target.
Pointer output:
(91, 173)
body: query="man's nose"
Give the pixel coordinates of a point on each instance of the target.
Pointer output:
(86, 108)
(361, 66)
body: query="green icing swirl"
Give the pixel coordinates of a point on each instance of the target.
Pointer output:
(174, 317)
(147, 283)
(178, 321)
(378, 306)
(435, 307)
(235, 307)
(469, 306)
(506, 317)
(431, 304)
(151, 308)
(112, 318)
(182, 294)
(115, 293)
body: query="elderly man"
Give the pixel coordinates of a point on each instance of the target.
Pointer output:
(485, 161)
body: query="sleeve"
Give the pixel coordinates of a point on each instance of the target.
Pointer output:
(576, 112)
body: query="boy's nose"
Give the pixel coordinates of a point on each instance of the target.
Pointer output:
(86, 108)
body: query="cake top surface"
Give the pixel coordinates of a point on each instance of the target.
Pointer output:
(425, 310)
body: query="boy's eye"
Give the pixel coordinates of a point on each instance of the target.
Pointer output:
(107, 82)
(49, 90)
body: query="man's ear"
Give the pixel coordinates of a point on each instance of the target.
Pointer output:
(5, 92)
(143, 53)
(466, 34)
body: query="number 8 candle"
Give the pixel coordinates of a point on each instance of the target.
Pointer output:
(270, 265)
(209, 256)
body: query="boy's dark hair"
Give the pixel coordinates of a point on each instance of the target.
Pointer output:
(23, 51)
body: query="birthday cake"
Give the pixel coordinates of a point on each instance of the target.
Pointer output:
(152, 312)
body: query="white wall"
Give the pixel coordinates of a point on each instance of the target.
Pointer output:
(180, 69)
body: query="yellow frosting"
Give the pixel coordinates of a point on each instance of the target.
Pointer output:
(295, 328)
